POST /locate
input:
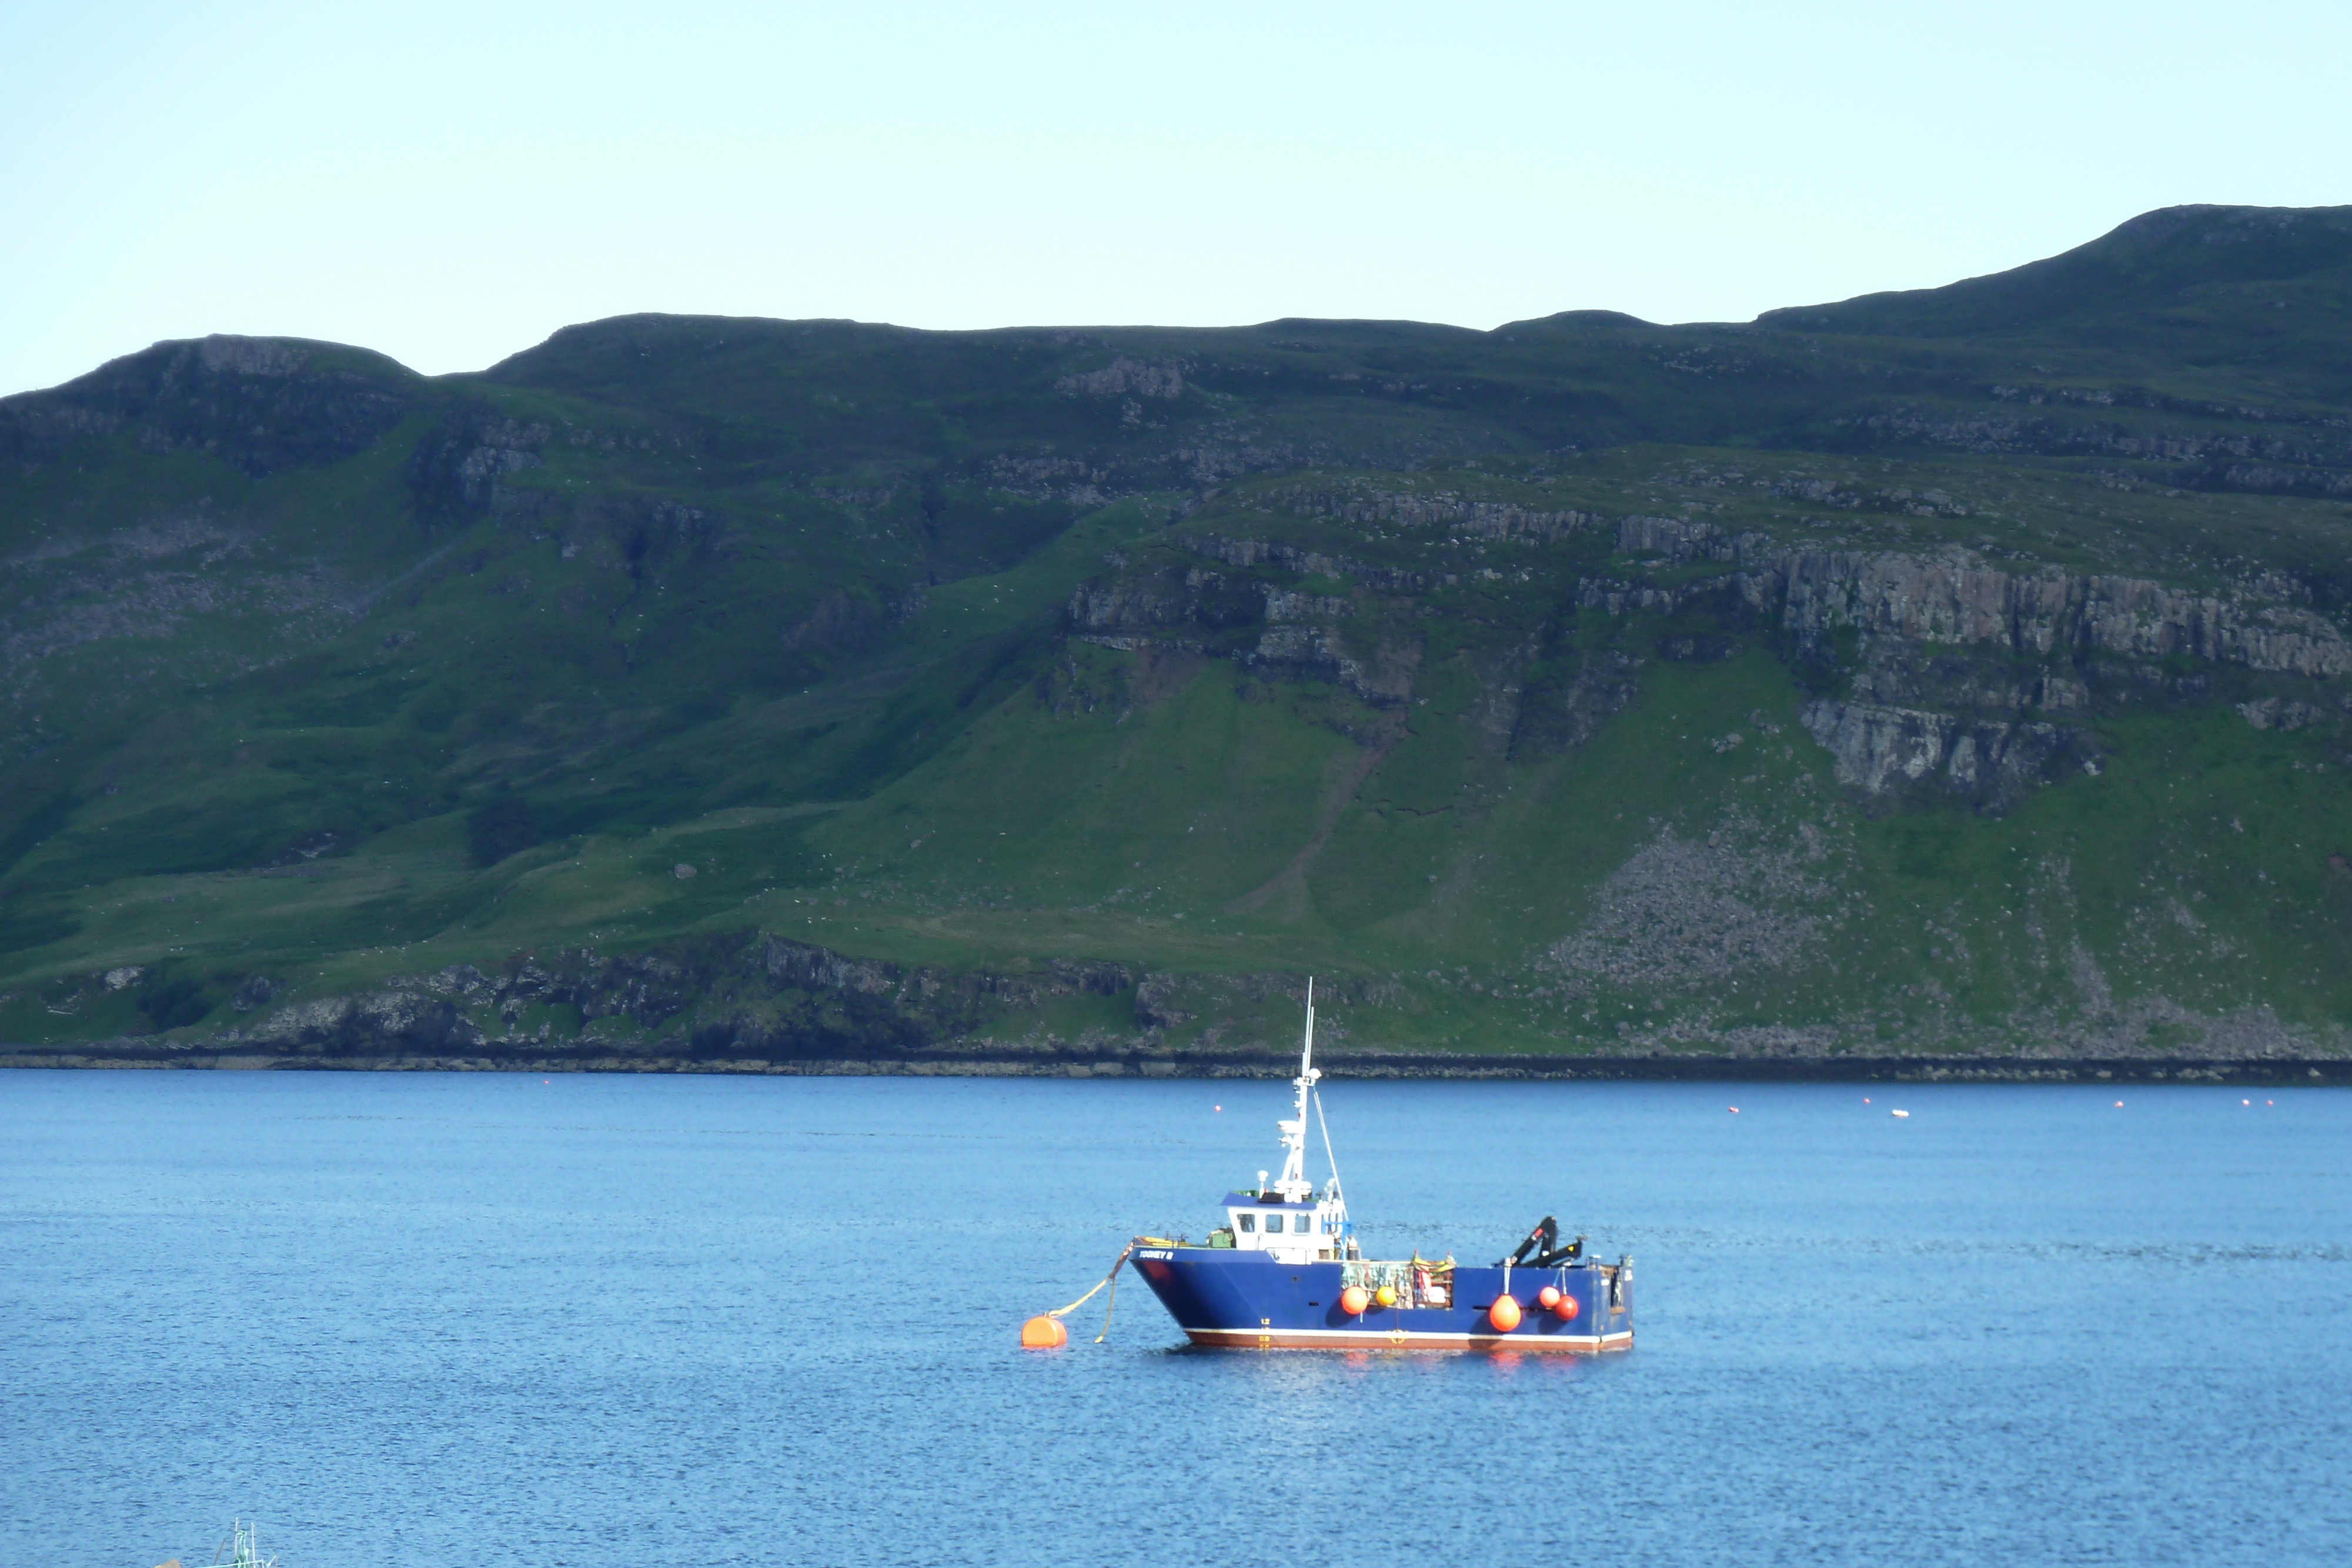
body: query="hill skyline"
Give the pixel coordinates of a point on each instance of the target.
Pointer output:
(1956, 672)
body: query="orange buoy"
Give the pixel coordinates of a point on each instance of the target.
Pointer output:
(1565, 1308)
(1385, 1295)
(1504, 1314)
(1548, 1297)
(1043, 1334)
(1354, 1299)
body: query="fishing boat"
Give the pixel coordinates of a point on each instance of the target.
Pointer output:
(1285, 1272)
(241, 1548)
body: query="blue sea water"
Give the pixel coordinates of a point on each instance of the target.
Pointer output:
(700, 1321)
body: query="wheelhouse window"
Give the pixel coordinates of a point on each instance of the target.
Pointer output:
(1249, 1224)
(1302, 1224)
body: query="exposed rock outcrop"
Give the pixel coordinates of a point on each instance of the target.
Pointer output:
(1880, 749)
(840, 619)
(458, 468)
(1469, 518)
(390, 1020)
(1915, 716)
(1247, 553)
(1123, 376)
(1956, 597)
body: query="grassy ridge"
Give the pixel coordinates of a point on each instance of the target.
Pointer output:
(1190, 652)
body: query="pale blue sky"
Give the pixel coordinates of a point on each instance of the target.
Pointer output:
(449, 183)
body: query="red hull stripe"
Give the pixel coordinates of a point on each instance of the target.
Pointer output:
(1357, 1339)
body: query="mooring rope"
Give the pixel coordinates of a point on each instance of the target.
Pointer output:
(1109, 1306)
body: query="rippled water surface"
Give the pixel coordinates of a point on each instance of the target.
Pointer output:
(705, 1320)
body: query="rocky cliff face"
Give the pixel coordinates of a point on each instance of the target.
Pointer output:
(1879, 750)
(1268, 627)
(1374, 507)
(1972, 678)
(1956, 597)
(456, 467)
(1950, 673)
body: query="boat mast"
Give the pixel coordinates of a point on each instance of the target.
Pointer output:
(1293, 1186)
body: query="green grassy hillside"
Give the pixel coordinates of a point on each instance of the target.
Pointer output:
(1962, 671)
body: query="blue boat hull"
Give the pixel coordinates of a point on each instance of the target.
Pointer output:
(1223, 1297)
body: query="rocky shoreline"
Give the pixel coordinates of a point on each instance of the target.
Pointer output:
(136, 1055)
(754, 1002)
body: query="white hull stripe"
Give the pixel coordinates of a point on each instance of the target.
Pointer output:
(1406, 1339)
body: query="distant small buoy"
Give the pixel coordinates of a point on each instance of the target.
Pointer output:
(1043, 1334)
(2245, 1101)
(1354, 1299)
(1734, 1109)
(1566, 1311)
(1504, 1314)
(1216, 1107)
(1385, 1295)
(2120, 1105)
(1548, 1297)
(1898, 1113)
